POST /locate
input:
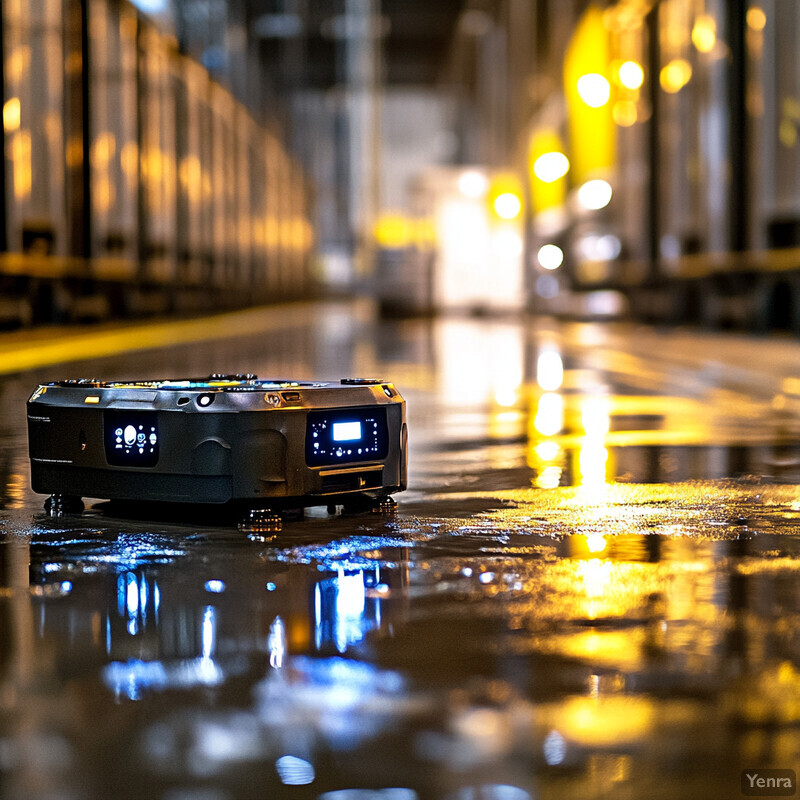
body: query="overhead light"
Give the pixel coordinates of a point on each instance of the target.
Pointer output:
(594, 89)
(594, 195)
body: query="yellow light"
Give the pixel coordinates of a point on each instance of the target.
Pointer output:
(473, 184)
(92, 400)
(21, 149)
(631, 75)
(12, 115)
(596, 542)
(549, 477)
(547, 451)
(507, 205)
(103, 149)
(675, 75)
(625, 113)
(756, 18)
(594, 89)
(594, 195)
(392, 231)
(704, 33)
(551, 166)
(549, 370)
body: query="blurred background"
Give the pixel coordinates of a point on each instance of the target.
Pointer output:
(628, 158)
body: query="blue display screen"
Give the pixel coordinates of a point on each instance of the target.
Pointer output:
(338, 436)
(131, 438)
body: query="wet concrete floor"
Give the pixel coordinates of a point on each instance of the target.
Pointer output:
(590, 589)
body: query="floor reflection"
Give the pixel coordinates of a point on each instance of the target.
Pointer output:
(590, 591)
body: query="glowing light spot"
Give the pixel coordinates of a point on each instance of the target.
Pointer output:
(215, 586)
(596, 542)
(549, 370)
(473, 184)
(551, 166)
(631, 75)
(12, 115)
(675, 75)
(550, 256)
(594, 195)
(756, 18)
(507, 205)
(704, 33)
(548, 451)
(594, 89)
(549, 414)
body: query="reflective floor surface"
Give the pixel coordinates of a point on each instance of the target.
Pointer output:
(590, 589)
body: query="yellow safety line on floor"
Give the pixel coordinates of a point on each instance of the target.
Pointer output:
(19, 356)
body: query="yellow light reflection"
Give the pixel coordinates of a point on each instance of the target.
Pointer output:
(675, 75)
(12, 115)
(631, 75)
(103, 195)
(74, 151)
(596, 542)
(129, 160)
(704, 33)
(549, 418)
(549, 477)
(103, 149)
(392, 231)
(756, 18)
(606, 721)
(625, 113)
(17, 64)
(550, 370)
(594, 89)
(592, 463)
(547, 451)
(596, 417)
(21, 158)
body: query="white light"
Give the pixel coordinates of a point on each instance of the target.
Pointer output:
(507, 244)
(215, 586)
(631, 75)
(594, 89)
(507, 205)
(595, 194)
(473, 184)
(550, 167)
(550, 256)
(549, 370)
(549, 414)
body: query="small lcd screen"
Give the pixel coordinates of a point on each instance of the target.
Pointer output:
(131, 438)
(346, 431)
(338, 436)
